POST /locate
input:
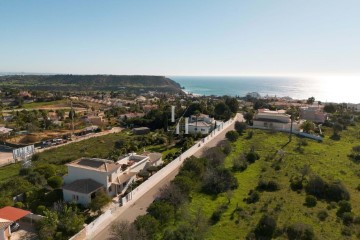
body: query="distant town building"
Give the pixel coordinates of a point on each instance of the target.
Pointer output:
(313, 113)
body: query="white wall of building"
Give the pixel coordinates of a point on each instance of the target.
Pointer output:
(70, 196)
(203, 130)
(275, 125)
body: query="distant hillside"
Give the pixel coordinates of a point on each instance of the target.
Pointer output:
(90, 83)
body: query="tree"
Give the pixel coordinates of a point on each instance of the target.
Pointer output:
(266, 227)
(47, 226)
(123, 230)
(248, 116)
(300, 231)
(162, 211)
(232, 103)
(330, 108)
(55, 182)
(232, 136)
(310, 100)
(307, 126)
(147, 224)
(70, 222)
(222, 111)
(336, 129)
(100, 200)
(240, 127)
(173, 195)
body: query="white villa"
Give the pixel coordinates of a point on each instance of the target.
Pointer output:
(202, 124)
(86, 176)
(275, 120)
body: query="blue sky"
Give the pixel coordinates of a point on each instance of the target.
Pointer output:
(187, 37)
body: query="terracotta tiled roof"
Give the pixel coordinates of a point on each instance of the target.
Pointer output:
(12, 214)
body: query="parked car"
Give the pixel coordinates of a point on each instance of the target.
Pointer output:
(14, 226)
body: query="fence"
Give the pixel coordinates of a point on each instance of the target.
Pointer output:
(103, 220)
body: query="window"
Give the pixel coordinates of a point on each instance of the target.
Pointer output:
(110, 189)
(203, 130)
(124, 184)
(110, 178)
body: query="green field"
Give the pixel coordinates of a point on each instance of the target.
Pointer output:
(42, 104)
(328, 160)
(9, 171)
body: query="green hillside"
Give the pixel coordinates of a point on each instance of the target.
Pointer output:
(90, 83)
(329, 160)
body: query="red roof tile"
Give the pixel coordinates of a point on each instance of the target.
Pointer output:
(12, 214)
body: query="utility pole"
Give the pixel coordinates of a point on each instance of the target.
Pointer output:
(72, 119)
(291, 126)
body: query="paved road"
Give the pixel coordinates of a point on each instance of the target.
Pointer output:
(139, 206)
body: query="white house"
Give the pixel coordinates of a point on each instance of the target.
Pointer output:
(274, 120)
(86, 176)
(202, 124)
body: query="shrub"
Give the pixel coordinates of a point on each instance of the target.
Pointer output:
(310, 201)
(19, 205)
(356, 220)
(232, 136)
(334, 191)
(265, 228)
(250, 134)
(344, 206)
(347, 218)
(252, 156)
(239, 164)
(269, 186)
(55, 182)
(218, 180)
(40, 209)
(296, 183)
(216, 216)
(322, 215)
(272, 186)
(253, 197)
(300, 231)
(240, 127)
(25, 171)
(346, 231)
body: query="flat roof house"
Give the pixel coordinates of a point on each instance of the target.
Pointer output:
(274, 120)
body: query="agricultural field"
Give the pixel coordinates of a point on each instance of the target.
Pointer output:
(281, 161)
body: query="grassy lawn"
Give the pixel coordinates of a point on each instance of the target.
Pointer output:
(9, 171)
(328, 160)
(98, 147)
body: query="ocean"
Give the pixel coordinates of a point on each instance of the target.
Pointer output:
(326, 89)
